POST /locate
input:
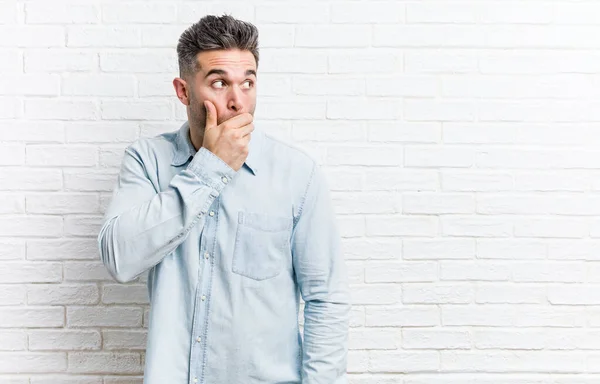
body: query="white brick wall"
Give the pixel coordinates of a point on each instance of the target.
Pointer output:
(460, 138)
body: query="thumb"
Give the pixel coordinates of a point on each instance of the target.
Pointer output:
(211, 115)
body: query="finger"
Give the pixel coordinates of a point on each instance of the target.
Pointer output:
(211, 115)
(246, 130)
(239, 121)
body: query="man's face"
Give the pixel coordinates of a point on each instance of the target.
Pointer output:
(227, 78)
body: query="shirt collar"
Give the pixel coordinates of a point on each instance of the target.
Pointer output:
(184, 149)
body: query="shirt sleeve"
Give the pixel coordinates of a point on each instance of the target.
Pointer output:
(322, 278)
(142, 225)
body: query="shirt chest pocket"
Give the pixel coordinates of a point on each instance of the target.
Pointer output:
(261, 245)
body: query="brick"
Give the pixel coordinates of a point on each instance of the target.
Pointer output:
(571, 294)
(124, 294)
(405, 316)
(327, 85)
(364, 109)
(111, 157)
(30, 85)
(90, 180)
(61, 155)
(427, 338)
(12, 154)
(373, 339)
(85, 271)
(42, 131)
(30, 272)
(376, 61)
(401, 226)
(16, 362)
(276, 36)
(98, 85)
(333, 131)
(164, 36)
(372, 12)
(139, 62)
(286, 61)
(310, 110)
(372, 248)
(369, 294)
(12, 203)
(12, 294)
(12, 249)
(511, 361)
(438, 293)
(64, 203)
(441, 12)
(157, 85)
(495, 293)
(32, 36)
(551, 227)
(458, 270)
(390, 272)
(429, 36)
(63, 340)
(129, 340)
(13, 179)
(295, 14)
(104, 316)
(380, 178)
(103, 36)
(10, 108)
(59, 60)
(441, 61)
(61, 13)
(50, 109)
(361, 155)
(83, 225)
(360, 202)
(398, 362)
(71, 379)
(62, 294)
(104, 132)
(476, 181)
(438, 249)
(62, 249)
(405, 132)
(574, 249)
(13, 340)
(476, 226)
(439, 110)
(11, 61)
(125, 13)
(31, 225)
(344, 180)
(136, 110)
(99, 362)
(37, 317)
(430, 203)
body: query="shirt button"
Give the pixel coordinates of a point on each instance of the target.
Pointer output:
(206, 255)
(195, 379)
(225, 180)
(199, 339)
(203, 297)
(212, 213)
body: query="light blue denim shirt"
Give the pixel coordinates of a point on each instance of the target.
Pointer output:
(228, 256)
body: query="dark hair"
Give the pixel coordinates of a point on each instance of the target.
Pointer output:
(214, 32)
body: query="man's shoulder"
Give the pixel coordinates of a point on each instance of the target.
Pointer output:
(160, 145)
(288, 154)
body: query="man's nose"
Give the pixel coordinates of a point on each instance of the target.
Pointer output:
(234, 102)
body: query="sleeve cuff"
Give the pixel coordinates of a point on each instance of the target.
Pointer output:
(211, 169)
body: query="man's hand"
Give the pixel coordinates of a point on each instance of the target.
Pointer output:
(228, 140)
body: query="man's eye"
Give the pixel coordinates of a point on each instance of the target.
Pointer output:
(247, 84)
(218, 84)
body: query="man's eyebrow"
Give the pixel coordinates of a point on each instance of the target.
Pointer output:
(222, 72)
(216, 72)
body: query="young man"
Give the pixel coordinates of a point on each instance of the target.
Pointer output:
(232, 227)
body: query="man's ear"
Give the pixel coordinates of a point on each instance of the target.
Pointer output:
(182, 91)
